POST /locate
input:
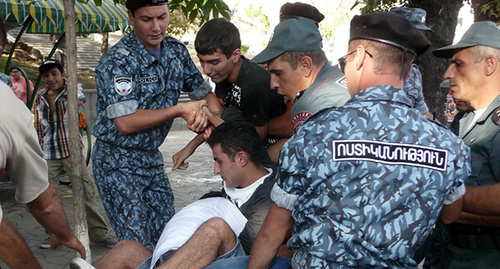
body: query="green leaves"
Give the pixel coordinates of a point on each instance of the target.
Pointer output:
(201, 9)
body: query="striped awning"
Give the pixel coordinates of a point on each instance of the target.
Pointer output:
(48, 15)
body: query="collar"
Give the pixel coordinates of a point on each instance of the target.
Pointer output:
(489, 110)
(379, 93)
(142, 51)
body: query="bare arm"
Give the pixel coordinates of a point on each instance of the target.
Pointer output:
(213, 111)
(271, 237)
(13, 249)
(214, 104)
(450, 213)
(282, 126)
(144, 119)
(180, 157)
(482, 200)
(48, 211)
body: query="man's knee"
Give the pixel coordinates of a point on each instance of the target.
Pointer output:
(218, 230)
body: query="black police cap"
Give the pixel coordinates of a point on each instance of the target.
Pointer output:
(301, 10)
(391, 29)
(135, 4)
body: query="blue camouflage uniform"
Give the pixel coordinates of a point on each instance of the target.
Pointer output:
(128, 169)
(365, 182)
(5, 78)
(413, 88)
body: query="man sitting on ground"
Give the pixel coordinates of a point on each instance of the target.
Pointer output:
(239, 157)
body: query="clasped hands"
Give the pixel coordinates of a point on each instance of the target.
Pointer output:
(201, 119)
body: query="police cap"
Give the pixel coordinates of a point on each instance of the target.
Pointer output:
(390, 29)
(135, 4)
(414, 15)
(481, 33)
(293, 10)
(298, 34)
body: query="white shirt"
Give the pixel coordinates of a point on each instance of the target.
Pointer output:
(240, 196)
(185, 223)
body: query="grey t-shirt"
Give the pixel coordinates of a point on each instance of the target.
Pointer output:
(255, 210)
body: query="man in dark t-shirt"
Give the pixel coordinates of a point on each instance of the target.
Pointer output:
(244, 88)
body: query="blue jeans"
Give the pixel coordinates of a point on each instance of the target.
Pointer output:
(242, 261)
(236, 252)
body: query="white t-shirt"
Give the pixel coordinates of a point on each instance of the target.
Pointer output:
(240, 196)
(477, 115)
(185, 223)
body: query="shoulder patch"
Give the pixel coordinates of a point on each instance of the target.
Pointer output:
(123, 51)
(495, 117)
(123, 85)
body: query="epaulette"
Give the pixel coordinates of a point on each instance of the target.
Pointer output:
(495, 116)
(123, 51)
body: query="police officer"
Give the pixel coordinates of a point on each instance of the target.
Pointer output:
(364, 183)
(474, 75)
(139, 81)
(413, 84)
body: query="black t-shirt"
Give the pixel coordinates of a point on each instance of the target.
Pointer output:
(251, 93)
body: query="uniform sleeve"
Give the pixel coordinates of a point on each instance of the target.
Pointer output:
(114, 76)
(290, 174)
(194, 83)
(413, 86)
(494, 154)
(259, 104)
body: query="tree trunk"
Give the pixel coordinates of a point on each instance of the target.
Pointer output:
(442, 17)
(479, 15)
(81, 229)
(105, 42)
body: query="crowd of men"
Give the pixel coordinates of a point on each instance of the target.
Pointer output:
(323, 165)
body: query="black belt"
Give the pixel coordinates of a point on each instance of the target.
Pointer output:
(476, 241)
(164, 257)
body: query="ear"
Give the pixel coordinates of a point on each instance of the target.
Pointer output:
(306, 66)
(242, 158)
(130, 17)
(236, 55)
(491, 65)
(360, 59)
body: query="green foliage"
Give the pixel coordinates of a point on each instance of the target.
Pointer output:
(256, 12)
(244, 49)
(201, 10)
(381, 5)
(491, 9)
(195, 11)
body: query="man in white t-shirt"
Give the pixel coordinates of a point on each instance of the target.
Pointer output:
(239, 158)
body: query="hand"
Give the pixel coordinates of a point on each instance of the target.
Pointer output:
(73, 243)
(180, 157)
(214, 119)
(195, 117)
(81, 104)
(208, 131)
(199, 122)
